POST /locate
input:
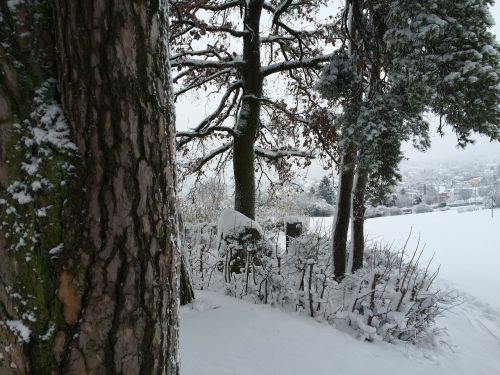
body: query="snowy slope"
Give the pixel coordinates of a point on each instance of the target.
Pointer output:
(466, 244)
(222, 335)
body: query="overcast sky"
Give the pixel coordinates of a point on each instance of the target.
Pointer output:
(443, 148)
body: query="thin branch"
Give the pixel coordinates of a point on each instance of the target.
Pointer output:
(285, 110)
(218, 8)
(313, 62)
(207, 120)
(213, 154)
(207, 132)
(212, 28)
(205, 52)
(276, 39)
(197, 83)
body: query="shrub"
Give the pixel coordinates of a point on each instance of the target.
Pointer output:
(422, 208)
(391, 298)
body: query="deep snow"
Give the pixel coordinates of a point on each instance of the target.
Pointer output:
(222, 335)
(466, 244)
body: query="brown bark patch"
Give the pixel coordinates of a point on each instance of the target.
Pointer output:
(58, 346)
(68, 298)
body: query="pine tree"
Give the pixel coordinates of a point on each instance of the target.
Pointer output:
(404, 58)
(326, 191)
(88, 249)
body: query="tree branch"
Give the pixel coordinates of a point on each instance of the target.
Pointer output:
(206, 132)
(205, 52)
(218, 8)
(313, 62)
(272, 38)
(213, 154)
(212, 28)
(285, 110)
(205, 64)
(198, 82)
(280, 153)
(207, 120)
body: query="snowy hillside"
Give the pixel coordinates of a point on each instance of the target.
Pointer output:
(222, 335)
(466, 244)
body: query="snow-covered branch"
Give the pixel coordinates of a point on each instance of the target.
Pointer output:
(207, 132)
(279, 154)
(207, 120)
(220, 7)
(218, 151)
(272, 38)
(313, 62)
(206, 64)
(206, 52)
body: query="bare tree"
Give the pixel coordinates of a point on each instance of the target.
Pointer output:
(223, 46)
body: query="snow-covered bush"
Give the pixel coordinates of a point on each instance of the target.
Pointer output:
(376, 211)
(204, 201)
(392, 298)
(314, 206)
(394, 211)
(422, 208)
(241, 242)
(200, 247)
(389, 299)
(382, 211)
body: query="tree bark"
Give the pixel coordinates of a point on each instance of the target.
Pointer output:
(343, 212)
(358, 212)
(248, 121)
(349, 156)
(105, 250)
(186, 292)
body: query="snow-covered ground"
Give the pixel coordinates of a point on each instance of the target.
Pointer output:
(466, 244)
(222, 335)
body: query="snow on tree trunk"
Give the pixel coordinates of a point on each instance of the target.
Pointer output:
(348, 160)
(248, 120)
(186, 292)
(89, 271)
(342, 214)
(358, 216)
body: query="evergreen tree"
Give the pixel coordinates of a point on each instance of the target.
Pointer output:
(88, 225)
(403, 58)
(326, 190)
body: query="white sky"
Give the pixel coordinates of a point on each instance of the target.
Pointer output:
(191, 110)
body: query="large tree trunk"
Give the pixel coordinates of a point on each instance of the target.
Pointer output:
(93, 288)
(343, 212)
(349, 156)
(358, 220)
(186, 291)
(248, 120)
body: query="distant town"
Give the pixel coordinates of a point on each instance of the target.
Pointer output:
(467, 185)
(450, 185)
